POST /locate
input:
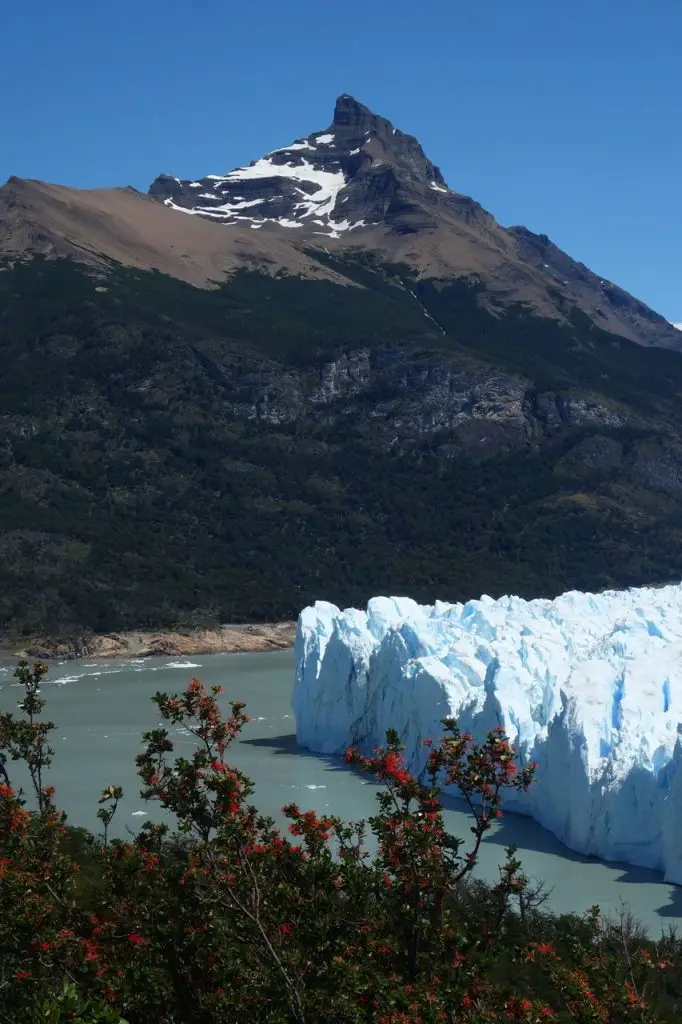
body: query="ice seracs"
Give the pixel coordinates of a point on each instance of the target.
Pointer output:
(589, 686)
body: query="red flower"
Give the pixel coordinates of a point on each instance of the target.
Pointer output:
(91, 949)
(544, 947)
(135, 939)
(21, 975)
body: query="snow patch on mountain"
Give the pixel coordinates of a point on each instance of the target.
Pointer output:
(318, 192)
(292, 148)
(299, 185)
(589, 686)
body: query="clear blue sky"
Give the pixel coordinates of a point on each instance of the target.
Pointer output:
(561, 116)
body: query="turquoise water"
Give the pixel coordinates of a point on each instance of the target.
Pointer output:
(100, 710)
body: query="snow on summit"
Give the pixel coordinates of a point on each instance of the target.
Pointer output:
(589, 686)
(321, 201)
(299, 185)
(291, 185)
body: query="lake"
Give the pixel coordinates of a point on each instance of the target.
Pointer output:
(100, 710)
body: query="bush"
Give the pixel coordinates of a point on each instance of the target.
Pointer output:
(227, 919)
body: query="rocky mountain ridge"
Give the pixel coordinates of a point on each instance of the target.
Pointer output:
(104, 228)
(362, 183)
(349, 176)
(359, 185)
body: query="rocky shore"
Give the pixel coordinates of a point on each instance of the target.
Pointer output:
(148, 643)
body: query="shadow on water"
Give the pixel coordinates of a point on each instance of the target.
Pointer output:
(513, 829)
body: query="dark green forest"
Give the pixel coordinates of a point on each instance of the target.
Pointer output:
(142, 485)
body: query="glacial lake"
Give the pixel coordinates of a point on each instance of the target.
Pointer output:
(101, 708)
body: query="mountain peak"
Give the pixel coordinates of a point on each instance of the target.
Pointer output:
(363, 183)
(358, 173)
(351, 115)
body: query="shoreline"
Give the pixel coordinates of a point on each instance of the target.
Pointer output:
(149, 643)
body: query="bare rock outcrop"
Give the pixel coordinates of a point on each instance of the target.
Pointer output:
(221, 640)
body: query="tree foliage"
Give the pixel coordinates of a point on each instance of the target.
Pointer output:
(136, 494)
(228, 919)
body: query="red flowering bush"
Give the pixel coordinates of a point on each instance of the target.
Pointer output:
(228, 919)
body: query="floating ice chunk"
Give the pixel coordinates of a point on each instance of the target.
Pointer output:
(589, 686)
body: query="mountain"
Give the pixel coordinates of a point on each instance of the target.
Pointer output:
(363, 183)
(358, 184)
(121, 225)
(205, 418)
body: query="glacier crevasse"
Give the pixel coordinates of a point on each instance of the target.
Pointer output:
(587, 685)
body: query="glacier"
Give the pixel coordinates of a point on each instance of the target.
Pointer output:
(587, 685)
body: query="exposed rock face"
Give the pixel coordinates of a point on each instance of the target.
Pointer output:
(362, 182)
(109, 645)
(595, 454)
(409, 397)
(221, 640)
(358, 172)
(659, 465)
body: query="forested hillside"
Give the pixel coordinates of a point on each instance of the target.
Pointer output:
(175, 455)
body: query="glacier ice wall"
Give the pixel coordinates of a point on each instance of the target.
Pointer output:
(589, 686)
